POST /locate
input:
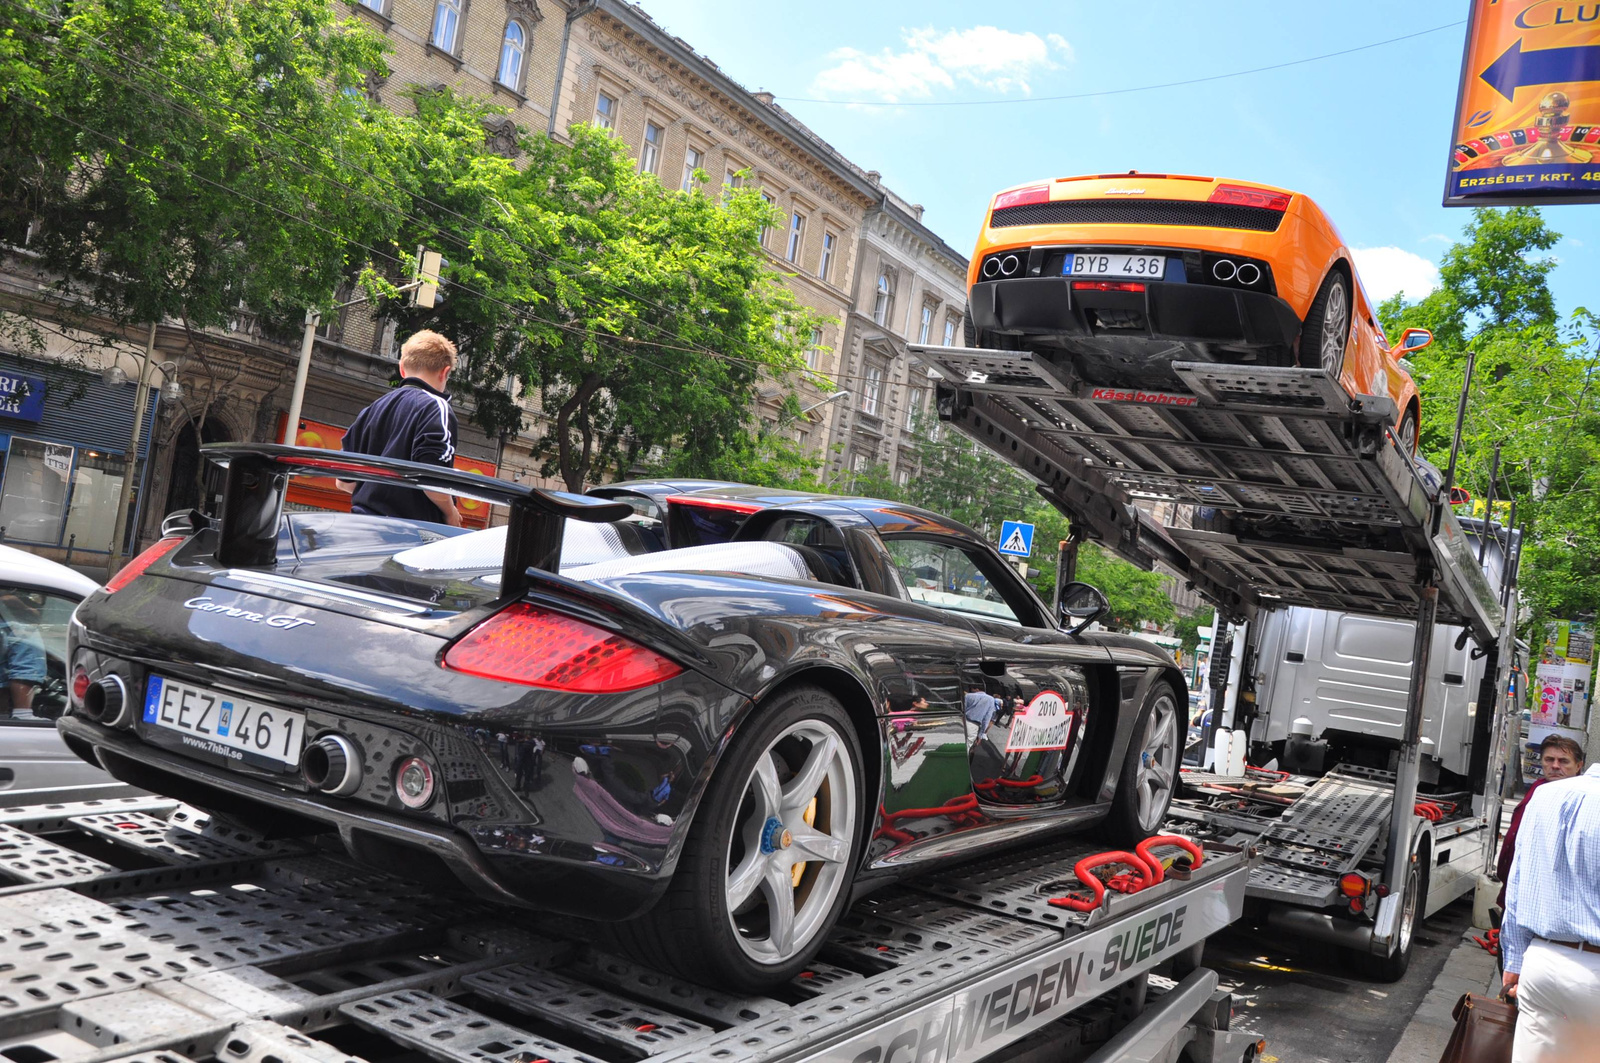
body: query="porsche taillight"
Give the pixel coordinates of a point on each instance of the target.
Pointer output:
(537, 648)
(135, 568)
(1242, 196)
(1022, 197)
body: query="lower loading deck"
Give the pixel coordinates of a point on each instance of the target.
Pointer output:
(139, 929)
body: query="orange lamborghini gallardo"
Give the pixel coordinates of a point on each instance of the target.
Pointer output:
(1127, 273)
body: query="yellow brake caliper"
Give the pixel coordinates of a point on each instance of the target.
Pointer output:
(800, 868)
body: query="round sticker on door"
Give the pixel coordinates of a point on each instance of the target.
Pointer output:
(1043, 723)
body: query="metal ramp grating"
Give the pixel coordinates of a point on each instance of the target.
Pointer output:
(1301, 463)
(595, 1012)
(27, 858)
(1330, 828)
(158, 839)
(454, 1034)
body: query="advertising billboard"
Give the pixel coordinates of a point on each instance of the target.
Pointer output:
(1527, 121)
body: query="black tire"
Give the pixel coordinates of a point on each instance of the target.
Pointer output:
(1392, 967)
(1140, 804)
(1326, 329)
(693, 930)
(1407, 433)
(973, 336)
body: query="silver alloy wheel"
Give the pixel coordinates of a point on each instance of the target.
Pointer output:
(1335, 326)
(798, 811)
(1408, 434)
(1158, 763)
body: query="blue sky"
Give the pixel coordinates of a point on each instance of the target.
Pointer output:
(1365, 134)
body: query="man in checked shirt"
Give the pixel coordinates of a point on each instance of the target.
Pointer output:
(1550, 938)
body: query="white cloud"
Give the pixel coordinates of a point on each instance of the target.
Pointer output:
(1387, 270)
(985, 57)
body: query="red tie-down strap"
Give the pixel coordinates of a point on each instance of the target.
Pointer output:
(1142, 875)
(1429, 811)
(1143, 848)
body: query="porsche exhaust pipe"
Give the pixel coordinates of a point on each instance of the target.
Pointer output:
(106, 701)
(332, 765)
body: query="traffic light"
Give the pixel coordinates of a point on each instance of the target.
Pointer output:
(426, 293)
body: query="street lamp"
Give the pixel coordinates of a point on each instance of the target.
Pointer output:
(824, 402)
(114, 376)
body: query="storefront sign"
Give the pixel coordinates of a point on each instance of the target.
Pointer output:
(21, 396)
(1527, 123)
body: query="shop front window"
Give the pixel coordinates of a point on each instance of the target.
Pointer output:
(96, 487)
(34, 503)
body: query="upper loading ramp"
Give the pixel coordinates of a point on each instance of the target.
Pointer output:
(1328, 512)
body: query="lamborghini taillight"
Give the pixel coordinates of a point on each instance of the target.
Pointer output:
(135, 568)
(1243, 196)
(537, 648)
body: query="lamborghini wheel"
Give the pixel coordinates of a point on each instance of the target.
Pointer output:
(1407, 433)
(1326, 330)
(1149, 771)
(771, 855)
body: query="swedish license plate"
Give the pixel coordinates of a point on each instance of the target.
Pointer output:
(225, 725)
(1148, 267)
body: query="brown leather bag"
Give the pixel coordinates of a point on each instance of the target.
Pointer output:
(1484, 1031)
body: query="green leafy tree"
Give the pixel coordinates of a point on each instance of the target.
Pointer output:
(642, 316)
(1535, 395)
(157, 151)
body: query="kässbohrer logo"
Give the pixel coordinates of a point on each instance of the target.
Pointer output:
(1149, 398)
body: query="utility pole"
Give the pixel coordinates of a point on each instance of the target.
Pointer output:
(424, 289)
(141, 396)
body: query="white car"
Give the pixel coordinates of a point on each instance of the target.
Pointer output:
(37, 598)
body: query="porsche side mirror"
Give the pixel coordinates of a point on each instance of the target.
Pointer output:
(1412, 340)
(1081, 605)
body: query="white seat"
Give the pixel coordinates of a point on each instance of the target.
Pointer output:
(746, 559)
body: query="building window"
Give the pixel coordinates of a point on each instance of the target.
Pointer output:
(814, 350)
(926, 327)
(950, 331)
(830, 243)
(511, 52)
(914, 399)
(766, 201)
(605, 111)
(797, 230)
(446, 24)
(858, 463)
(880, 302)
(873, 391)
(693, 159)
(650, 155)
(902, 477)
(373, 5)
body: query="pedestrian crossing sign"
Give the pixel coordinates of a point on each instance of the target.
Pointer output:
(1016, 538)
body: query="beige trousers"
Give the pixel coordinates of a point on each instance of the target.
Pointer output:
(1558, 1006)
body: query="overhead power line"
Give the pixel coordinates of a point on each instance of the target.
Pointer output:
(1137, 88)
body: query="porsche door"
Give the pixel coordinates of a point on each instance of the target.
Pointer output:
(1022, 752)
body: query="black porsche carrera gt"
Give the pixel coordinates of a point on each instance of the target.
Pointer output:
(714, 745)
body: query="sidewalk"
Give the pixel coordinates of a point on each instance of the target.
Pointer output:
(1470, 969)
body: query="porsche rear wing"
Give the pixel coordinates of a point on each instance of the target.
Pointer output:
(258, 478)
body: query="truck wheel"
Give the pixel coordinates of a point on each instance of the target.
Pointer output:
(1392, 968)
(1326, 330)
(770, 856)
(1149, 770)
